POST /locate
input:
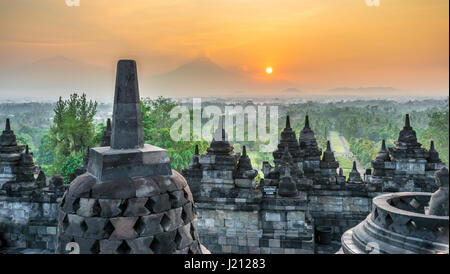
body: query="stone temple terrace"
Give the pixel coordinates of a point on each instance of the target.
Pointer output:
(127, 199)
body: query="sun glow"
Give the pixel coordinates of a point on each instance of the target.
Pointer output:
(269, 70)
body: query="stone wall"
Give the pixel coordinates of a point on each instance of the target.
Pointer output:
(339, 209)
(29, 223)
(287, 226)
(255, 225)
(229, 231)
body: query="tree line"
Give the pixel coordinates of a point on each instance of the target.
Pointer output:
(60, 133)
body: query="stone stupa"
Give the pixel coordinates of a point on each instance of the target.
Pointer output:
(129, 201)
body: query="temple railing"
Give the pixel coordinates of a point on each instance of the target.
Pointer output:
(404, 213)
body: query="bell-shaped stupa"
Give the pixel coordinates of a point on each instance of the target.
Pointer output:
(129, 200)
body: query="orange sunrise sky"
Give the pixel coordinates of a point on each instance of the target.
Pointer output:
(314, 47)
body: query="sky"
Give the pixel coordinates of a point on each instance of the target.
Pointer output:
(313, 47)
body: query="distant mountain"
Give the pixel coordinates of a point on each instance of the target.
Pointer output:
(61, 76)
(195, 78)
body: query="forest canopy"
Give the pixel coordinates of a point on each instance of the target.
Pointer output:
(59, 133)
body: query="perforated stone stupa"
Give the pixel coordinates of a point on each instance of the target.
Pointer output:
(129, 200)
(404, 223)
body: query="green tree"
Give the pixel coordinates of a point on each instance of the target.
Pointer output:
(156, 129)
(70, 164)
(25, 139)
(45, 155)
(73, 129)
(364, 150)
(437, 130)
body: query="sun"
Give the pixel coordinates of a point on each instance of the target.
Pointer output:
(269, 70)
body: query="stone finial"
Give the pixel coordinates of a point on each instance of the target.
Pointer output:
(27, 158)
(308, 145)
(439, 199)
(383, 154)
(307, 121)
(407, 139)
(354, 177)
(7, 125)
(219, 143)
(219, 132)
(288, 122)
(106, 138)
(341, 172)
(288, 138)
(433, 155)
(8, 139)
(127, 124)
(407, 122)
(244, 168)
(328, 155)
(108, 125)
(195, 163)
(196, 152)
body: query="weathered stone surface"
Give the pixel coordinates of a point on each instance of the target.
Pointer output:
(110, 207)
(287, 186)
(439, 199)
(98, 228)
(140, 245)
(88, 207)
(244, 169)
(117, 189)
(109, 246)
(123, 228)
(184, 238)
(145, 187)
(158, 203)
(127, 119)
(113, 164)
(164, 243)
(354, 177)
(106, 138)
(149, 225)
(136, 207)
